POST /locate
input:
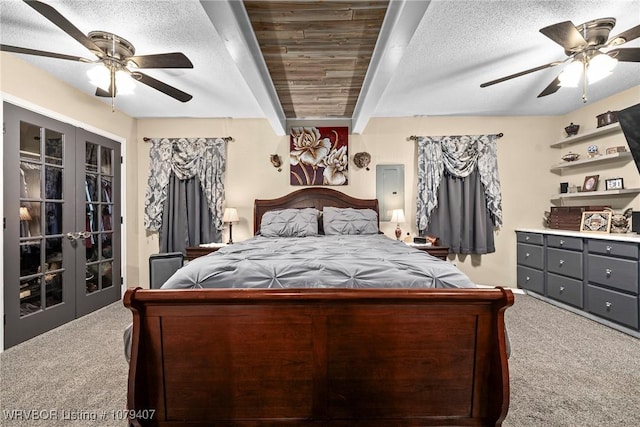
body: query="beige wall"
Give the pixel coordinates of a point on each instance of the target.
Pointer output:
(250, 175)
(586, 118)
(524, 158)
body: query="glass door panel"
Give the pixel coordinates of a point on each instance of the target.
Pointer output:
(39, 288)
(101, 256)
(62, 217)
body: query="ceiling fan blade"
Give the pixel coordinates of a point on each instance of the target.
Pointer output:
(104, 93)
(565, 34)
(63, 23)
(629, 54)
(625, 36)
(521, 73)
(552, 88)
(163, 60)
(162, 87)
(16, 49)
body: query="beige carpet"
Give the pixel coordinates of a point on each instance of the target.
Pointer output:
(565, 371)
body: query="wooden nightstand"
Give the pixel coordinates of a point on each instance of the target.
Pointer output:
(193, 252)
(437, 251)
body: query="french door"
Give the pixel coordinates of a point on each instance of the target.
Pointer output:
(62, 223)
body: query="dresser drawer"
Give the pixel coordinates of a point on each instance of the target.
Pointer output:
(530, 238)
(529, 278)
(567, 263)
(530, 256)
(564, 242)
(616, 273)
(564, 289)
(618, 249)
(612, 305)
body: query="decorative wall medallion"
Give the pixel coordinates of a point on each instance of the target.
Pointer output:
(362, 160)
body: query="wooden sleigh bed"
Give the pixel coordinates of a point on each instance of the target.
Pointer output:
(318, 357)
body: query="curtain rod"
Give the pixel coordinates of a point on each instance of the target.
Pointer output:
(415, 138)
(226, 139)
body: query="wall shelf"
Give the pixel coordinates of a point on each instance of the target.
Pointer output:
(605, 158)
(606, 193)
(598, 132)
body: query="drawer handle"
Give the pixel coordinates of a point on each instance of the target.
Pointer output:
(561, 242)
(526, 238)
(561, 289)
(608, 305)
(527, 255)
(609, 249)
(561, 262)
(526, 279)
(608, 271)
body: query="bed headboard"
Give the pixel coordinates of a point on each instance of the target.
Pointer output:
(312, 197)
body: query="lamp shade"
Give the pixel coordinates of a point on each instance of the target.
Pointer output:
(571, 75)
(600, 67)
(24, 214)
(101, 76)
(397, 216)
(230, 215)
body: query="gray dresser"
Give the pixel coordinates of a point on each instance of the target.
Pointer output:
(593, 275)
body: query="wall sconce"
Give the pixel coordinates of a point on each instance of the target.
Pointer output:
(397, 216)
(230, 216)
(276, 161)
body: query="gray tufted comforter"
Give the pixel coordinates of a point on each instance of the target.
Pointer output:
(345, 261)
(340, 261)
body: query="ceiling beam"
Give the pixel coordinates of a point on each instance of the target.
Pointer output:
(231, 21)
(400, 23)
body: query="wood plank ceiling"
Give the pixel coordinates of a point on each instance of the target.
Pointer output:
(317, 52)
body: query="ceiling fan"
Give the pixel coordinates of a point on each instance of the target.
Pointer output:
(588, 57)
(116, 57)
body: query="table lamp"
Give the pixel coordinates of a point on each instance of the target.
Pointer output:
(397, 216)
(230, 216)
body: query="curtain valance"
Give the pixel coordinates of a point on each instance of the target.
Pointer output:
(459, 156)
(204, 158)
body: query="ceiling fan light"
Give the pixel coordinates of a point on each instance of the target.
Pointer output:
(600, 66)
(124, 83)
(99, 76)
(570, 76)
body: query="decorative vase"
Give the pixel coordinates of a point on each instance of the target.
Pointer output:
(570, 157)
(572, 129)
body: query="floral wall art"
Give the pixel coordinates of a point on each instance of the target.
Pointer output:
(318, 155)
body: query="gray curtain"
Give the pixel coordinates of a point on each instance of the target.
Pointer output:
(185, 191)
(459, 198)
(461, 220)
(186, 218)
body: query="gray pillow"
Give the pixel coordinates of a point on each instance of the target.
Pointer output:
(349, 221)
(290, 223)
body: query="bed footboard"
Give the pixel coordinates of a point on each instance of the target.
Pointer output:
(318, 357)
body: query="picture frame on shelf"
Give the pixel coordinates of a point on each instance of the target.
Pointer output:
(614, 184)
(590, 183)
(596, 221)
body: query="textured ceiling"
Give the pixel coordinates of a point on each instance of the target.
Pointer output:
(433, 59)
